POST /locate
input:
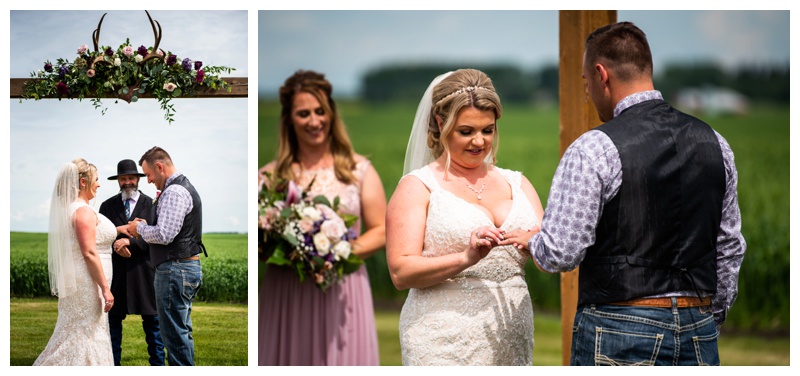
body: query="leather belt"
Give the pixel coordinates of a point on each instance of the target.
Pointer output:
(682, 302)
(190, 258)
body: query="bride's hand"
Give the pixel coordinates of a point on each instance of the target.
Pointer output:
(520, 238)
(108, 298)
(481, 241)
(123, 230)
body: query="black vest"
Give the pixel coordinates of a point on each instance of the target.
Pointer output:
(188, 242)
(659, 233)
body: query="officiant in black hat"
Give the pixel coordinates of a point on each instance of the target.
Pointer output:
(133, 274)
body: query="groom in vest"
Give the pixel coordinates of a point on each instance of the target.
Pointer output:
(646, 205)
(133, 271)
(175, 244)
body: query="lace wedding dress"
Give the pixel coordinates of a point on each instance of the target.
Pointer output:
(81, 335)
(483, 315)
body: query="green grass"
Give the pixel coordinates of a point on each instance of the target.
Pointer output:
(734, 349)
(220, 333)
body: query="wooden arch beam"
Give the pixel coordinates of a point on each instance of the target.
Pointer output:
(238, 89)
(576, 116)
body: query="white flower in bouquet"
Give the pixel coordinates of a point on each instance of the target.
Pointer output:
(311, 213)
(341, 250)
(333, 228)
(306, 225)
(322, 243)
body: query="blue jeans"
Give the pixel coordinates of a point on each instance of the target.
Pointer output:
(176, 285)
(152, 336)
(609, 335)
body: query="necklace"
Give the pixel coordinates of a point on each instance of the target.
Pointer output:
(478, 192)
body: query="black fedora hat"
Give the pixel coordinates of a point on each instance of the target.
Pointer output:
(126, 167)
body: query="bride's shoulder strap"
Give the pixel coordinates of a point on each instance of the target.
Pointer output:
(514, 178)
(425, 175)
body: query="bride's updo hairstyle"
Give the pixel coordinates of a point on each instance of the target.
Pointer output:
(86, 171)
(463, 88)
(342, 149)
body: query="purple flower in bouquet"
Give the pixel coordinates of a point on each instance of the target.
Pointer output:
(198, 64)
(293, 194)
(62, 88)
(48, 67)
(187, 64)
(171, 60)
(63, 70)
(142, 51)
(200, 76)
(109, 52)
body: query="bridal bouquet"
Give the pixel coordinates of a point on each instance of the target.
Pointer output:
(304, 233)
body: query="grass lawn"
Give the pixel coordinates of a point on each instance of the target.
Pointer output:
(220, 333)
(734, 349)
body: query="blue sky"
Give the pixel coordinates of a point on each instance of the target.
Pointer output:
(346, 44)
(207, 141)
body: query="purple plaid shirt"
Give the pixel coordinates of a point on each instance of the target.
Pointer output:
(589, 176)
(174, 203)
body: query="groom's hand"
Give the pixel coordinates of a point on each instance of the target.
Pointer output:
(132, 226)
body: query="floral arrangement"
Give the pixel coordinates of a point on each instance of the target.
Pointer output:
(126, 72)
(304, 233)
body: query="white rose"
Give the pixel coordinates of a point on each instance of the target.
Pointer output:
(138, 58)
(342, 250)
(322, 243)
(311, 213)
(117, 62)
(333, 228)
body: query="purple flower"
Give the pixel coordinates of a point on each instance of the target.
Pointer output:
(187, 64)
(48, 67)
(142, 51)
(200, 76)
(109, 52)
(171, 60)
(198, 64)
(63, 70)
(62, 88)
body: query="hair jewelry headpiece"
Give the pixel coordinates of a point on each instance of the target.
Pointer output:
(459, 91)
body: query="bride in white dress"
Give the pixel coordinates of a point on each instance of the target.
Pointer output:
(79, 261)
(456, 232)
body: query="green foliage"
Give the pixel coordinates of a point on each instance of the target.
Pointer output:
(224, 271)
(529, 142)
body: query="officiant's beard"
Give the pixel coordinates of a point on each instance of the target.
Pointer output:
(128, 190)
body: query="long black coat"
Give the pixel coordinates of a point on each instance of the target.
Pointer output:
(132, 283)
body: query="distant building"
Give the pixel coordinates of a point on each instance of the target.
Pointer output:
(711, 101)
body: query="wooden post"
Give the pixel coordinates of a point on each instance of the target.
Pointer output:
(576, 116)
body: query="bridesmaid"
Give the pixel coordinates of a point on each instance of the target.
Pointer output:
(298, 324)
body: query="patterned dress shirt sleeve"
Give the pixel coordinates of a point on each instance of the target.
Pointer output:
(174, 203)
(730, 242)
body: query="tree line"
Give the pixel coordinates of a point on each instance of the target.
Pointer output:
(759, 83)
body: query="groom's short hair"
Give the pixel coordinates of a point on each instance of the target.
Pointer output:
(156, 154)
(622, 47)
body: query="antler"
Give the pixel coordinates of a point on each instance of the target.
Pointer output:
(157, 35)
(96, 39)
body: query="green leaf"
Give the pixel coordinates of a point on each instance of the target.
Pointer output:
(321, 200)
